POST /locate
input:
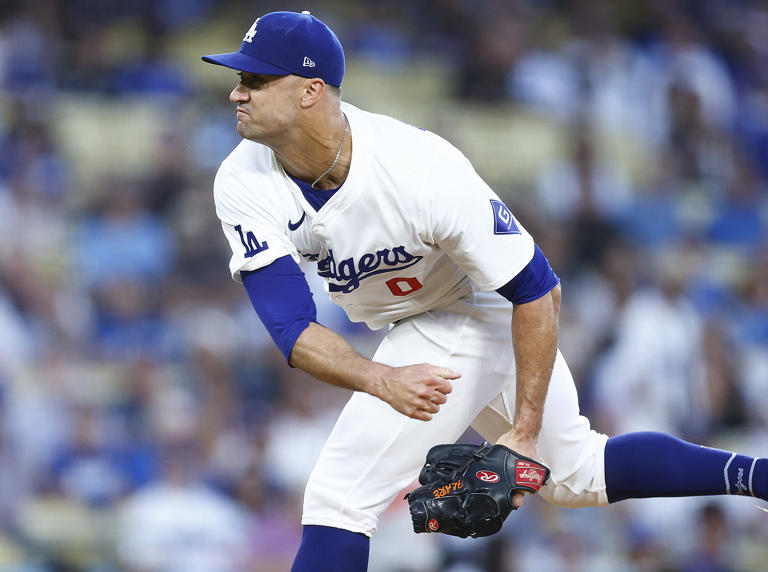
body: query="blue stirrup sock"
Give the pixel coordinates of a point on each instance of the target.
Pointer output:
(327, 549)
(649, 464)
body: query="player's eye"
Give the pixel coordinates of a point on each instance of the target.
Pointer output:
(249, 80)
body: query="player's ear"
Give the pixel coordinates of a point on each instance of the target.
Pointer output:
(314, 89)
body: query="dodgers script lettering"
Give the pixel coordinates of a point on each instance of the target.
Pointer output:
(349, 272)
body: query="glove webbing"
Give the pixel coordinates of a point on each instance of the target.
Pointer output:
(478, 454)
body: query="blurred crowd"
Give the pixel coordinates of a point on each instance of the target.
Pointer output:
(147, 423)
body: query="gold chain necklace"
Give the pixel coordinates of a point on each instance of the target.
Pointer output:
(338, 152)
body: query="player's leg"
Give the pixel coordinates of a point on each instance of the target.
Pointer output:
(648, 464)
(374, 452)
(319, 542)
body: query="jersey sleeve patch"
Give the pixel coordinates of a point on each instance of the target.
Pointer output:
(503, 221)
(251, 244)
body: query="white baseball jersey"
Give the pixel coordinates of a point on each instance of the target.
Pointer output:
(412, 228)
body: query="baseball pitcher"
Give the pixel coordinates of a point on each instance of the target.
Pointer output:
(406, 235)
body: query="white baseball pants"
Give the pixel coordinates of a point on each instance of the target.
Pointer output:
(374, 452)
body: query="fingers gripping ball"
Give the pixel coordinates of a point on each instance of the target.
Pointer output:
(468, 489)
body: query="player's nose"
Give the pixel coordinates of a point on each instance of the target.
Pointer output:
(240, 93)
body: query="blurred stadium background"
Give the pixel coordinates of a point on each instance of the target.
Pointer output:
(147, 424)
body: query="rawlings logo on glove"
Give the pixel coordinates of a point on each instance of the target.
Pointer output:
(530, 473)
(467, 490)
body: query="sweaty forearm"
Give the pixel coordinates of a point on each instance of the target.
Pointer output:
(328, 357)
(535, 338)
(416, 390)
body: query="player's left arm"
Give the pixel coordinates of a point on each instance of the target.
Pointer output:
(535, 293)
(535, 338)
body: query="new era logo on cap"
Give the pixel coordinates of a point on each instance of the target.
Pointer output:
(283, 43)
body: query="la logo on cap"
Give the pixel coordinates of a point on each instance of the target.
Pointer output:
(251, 32)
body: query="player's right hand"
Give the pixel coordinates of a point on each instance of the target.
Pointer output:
(417, 391)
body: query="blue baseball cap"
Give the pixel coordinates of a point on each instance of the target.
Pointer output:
(282, 43)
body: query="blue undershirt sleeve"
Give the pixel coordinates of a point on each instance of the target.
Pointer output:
(532, 282)
(281, 297)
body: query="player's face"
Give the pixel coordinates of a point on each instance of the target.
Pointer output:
(267, 105)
